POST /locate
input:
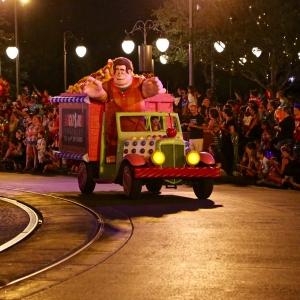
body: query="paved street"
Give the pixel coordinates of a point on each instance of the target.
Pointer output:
(242, 243)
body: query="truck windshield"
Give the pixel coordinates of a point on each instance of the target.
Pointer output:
(147, 123)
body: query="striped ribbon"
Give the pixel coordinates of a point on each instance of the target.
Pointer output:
(69, 155)
(78, 99)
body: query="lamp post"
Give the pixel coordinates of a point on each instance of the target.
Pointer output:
(145, 51)
(17, 46)
(191, 59)
(80, 51)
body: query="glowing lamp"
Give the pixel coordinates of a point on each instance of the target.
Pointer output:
(162, 44)
(80, 51)
(12, 52)
(256, 51)
(128, 45)
(163, 59)
(219, 46)
(193, 158)
(158, 157)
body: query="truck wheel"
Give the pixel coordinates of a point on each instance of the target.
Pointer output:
(154, 187)
(86, 177)
(132, 187)
(203, 187)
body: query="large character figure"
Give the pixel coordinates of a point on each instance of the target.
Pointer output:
(122, 93)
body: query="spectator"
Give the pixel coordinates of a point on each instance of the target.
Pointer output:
(270, 117)
(245, 161)
(52, 163)
(196, 126)
(297, 122)
(41, 150)
(219, 158)
(229, 137)
(45, 97)
(285, 128)
(264, 164)
(284, 171)
(13, 125)
(212, 133)
(31, 141)
(284, 102)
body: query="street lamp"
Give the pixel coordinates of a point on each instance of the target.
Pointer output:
(219, 46)
(80, 51)
(256, 51)
(145, 51)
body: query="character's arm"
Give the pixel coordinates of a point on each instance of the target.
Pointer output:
(94, 89)
(152, 87)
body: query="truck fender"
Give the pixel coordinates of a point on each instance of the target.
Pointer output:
(207, 158)
(135, 160)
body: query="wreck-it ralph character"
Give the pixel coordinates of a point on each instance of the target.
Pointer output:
(122, 93)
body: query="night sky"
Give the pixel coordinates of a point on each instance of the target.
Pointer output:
(101, 24)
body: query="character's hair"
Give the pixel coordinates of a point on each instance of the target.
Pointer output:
(123, 61)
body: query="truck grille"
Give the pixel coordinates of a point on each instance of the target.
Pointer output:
(175, 155)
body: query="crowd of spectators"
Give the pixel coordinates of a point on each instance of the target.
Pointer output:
(29, 133)
(252, 137)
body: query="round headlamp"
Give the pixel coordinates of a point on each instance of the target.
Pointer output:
(158, 157)
(193, 158)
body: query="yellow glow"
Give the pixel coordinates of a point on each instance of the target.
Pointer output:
(158, 157)
(193, 158)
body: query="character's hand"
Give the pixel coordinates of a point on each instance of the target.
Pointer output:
(152, 87)
(93, 88)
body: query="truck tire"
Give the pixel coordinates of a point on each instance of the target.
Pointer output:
(86, 177)
(132, 187)
(203, 187)
(154, 187)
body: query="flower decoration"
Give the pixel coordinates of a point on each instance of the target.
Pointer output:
(4, 88)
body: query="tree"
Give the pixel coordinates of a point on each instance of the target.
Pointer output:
(272, 27)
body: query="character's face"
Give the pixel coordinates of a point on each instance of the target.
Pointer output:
(296, 111)
(121, 77)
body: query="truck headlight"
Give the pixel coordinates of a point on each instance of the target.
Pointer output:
(193, 158)
(158, 157)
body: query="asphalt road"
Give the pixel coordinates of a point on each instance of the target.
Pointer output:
(242, 243)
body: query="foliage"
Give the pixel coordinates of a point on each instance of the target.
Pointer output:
(272, 26)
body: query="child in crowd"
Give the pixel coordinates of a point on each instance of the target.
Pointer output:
(52, 162)
(267, 144)
(265, 128)
(246, 120)
(264, 164)
(254, 166)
